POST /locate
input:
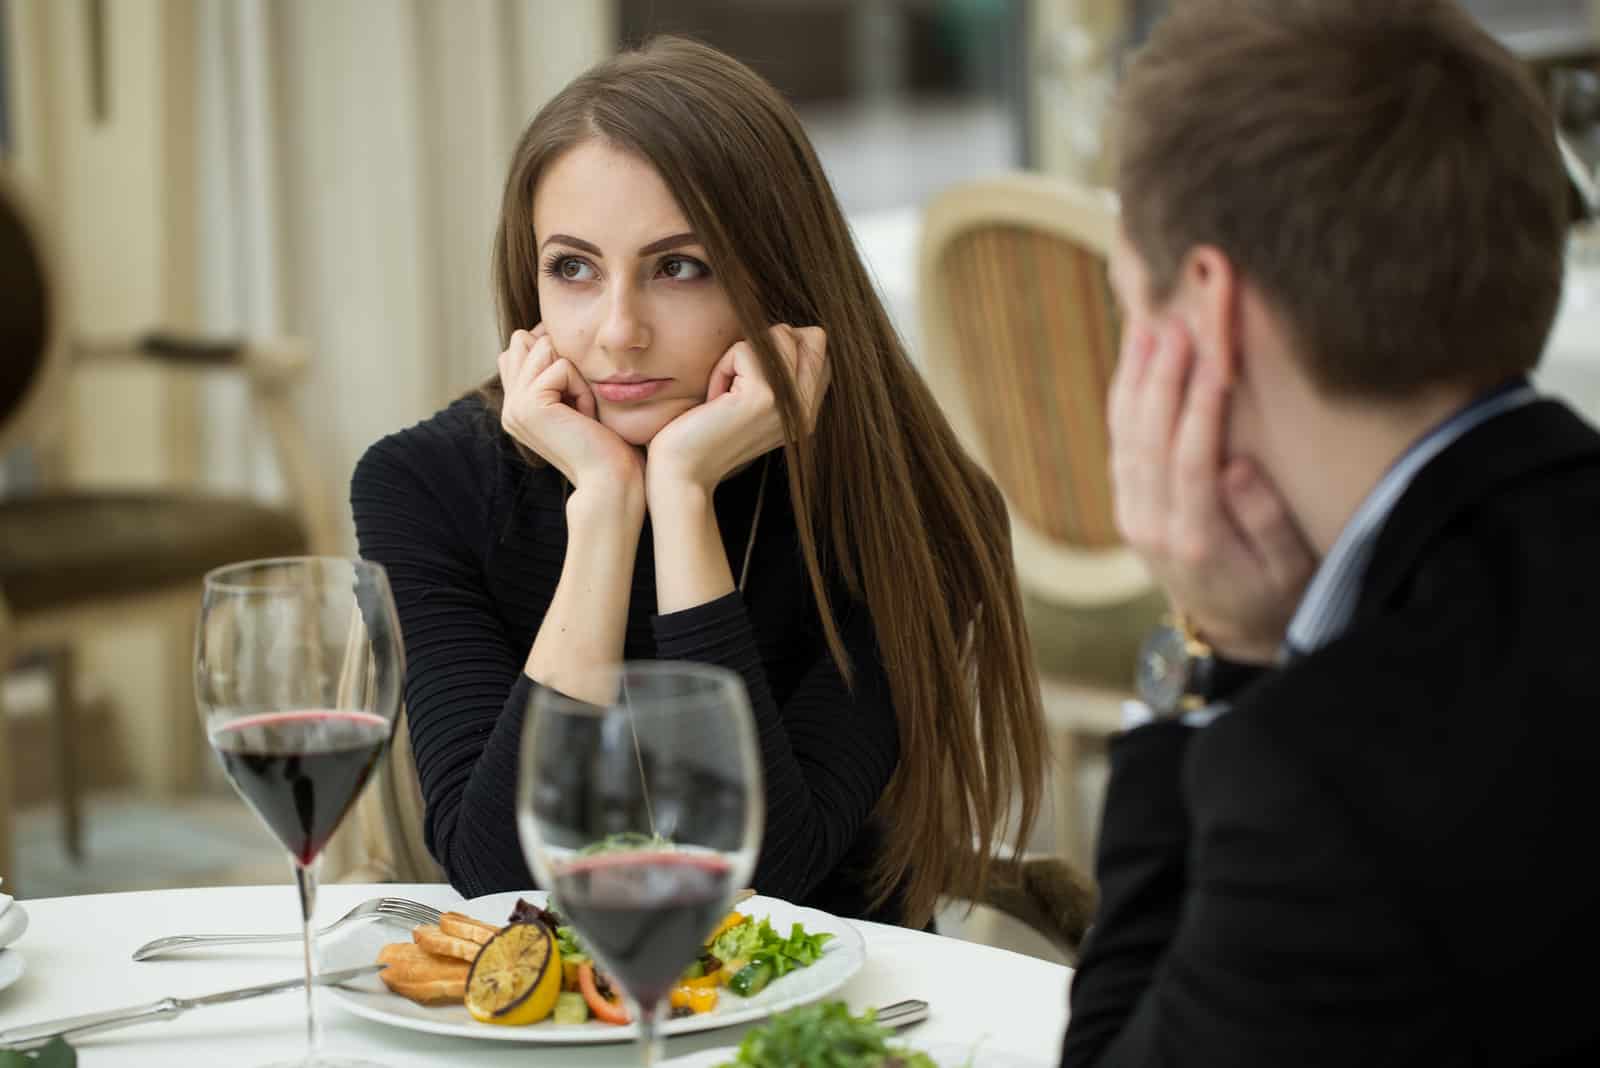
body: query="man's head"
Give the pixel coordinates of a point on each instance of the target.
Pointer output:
(1375, 182)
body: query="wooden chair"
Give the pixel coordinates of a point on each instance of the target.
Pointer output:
(1020, 332)
(382, 841)
(72, 558)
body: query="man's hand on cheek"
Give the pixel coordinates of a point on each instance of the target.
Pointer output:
(1214, 531)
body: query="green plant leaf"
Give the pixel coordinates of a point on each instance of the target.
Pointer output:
(55, 1055)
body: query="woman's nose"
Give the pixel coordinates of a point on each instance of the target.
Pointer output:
(624, 327)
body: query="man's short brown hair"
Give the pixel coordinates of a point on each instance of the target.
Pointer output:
(1382, 170)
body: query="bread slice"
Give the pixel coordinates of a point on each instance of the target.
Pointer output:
(431, 938)
(424, 977)
(460, 925)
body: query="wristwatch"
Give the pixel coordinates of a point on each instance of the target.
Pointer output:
(1178, 672)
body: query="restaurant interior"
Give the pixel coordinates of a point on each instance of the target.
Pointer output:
(262, 232)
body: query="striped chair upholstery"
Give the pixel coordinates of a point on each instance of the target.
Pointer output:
(1021, 333)
(1036, 327)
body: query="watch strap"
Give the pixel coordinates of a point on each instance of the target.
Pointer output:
(1219, 679)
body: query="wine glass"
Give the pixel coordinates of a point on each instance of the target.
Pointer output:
(641, 809)
(298, 666)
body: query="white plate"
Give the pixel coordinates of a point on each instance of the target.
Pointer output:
(944, 1054)
(13, 923)
(842, 957)
(10, 967)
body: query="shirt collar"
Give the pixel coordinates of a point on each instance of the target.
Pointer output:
(1330, 600)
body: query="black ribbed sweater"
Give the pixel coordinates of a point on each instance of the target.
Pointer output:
(473, 540)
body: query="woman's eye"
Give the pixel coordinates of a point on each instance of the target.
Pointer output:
(575, 270)
(683, 268)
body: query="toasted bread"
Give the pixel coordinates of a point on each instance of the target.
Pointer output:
(434, 940)
(424, 977)
(460, 925)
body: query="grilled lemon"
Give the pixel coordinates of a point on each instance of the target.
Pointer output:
(516, 977)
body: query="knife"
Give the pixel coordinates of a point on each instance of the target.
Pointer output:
(73, 1027)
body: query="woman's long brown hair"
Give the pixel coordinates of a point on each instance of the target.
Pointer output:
(881, 489)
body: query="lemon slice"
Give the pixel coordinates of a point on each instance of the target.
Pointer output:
(516, 977)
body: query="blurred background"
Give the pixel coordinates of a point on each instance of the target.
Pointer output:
(330, 172)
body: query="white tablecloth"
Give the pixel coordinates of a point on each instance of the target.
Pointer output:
(77, 958)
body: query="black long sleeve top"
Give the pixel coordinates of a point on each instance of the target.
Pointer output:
(473, 539)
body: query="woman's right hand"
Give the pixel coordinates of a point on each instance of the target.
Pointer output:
(550, 408)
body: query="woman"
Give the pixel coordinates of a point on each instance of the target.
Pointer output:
(706, 443)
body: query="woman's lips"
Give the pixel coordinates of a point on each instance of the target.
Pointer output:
(625, 391)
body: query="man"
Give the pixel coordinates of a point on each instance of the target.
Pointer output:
(1347, 823)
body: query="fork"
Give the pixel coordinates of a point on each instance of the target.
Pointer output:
(398, 908)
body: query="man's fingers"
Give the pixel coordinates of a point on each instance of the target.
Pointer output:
(1142, 445)
(1263, 519)
(1161, 393)
(1130, 474)
(1197, 454)
(1138, 344)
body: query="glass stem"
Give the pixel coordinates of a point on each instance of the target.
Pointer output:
(651, 1050)
(306, 877)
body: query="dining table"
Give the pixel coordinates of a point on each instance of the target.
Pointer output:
(1007, 1008)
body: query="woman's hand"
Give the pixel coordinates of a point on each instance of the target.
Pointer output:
(739, 420)
(550, 408)
(1215, 532)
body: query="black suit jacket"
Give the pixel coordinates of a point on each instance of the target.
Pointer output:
(1380, 856)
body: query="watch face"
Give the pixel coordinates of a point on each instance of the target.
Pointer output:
(1162, 676)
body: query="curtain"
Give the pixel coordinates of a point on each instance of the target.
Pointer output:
(351, 159)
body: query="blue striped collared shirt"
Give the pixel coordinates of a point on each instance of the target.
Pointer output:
(1330, 600)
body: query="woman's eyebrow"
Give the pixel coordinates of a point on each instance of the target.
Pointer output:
(575, 242)
(674, 241)
(661, 245)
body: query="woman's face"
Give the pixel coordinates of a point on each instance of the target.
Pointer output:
(625, 289)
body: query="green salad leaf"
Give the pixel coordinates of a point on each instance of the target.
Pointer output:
(738, 943)
(759, 943)
(571, 946)
(824, 1035)
(626, 842)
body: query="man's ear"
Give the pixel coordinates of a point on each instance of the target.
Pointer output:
(1207, 300)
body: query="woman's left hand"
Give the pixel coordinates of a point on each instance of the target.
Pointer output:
(739, 420)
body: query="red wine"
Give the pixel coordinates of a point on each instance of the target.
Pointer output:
(301, 771)
(645, 915)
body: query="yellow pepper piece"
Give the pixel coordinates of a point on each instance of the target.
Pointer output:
(709, 981)
(729, 922)
(696, 999)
